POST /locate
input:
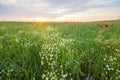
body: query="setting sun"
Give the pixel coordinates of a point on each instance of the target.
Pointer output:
(40, 19)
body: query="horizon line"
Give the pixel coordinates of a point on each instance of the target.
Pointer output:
(63, 21)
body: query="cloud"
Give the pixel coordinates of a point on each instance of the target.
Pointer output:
(8, 2)
(54, 9)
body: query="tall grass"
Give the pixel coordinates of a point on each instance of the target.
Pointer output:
(59, 51)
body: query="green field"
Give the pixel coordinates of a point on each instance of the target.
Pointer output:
(60, 51)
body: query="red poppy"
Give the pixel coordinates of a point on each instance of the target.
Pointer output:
(101, 26)
(106, 25)
(67, 22)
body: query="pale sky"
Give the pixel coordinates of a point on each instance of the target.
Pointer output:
(59, 10)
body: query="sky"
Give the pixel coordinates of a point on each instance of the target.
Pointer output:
(59, 10)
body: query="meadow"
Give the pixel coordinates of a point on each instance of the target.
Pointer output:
(60, 51)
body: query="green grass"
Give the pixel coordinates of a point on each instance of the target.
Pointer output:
(59, 51)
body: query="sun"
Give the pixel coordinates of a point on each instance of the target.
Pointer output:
(40, 19)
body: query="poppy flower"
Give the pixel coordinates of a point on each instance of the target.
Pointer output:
(106, 25)
(101, 26)
(67, 22)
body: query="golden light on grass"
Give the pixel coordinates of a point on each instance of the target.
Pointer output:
(38, 24)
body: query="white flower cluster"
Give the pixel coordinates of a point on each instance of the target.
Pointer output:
(50, 58)
(112, 67)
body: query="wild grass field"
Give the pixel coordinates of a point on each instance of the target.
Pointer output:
(60, 51)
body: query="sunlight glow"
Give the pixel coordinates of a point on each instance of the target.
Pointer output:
(39, 19)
